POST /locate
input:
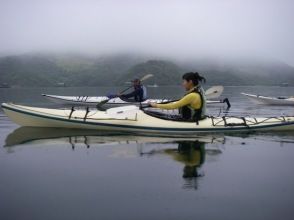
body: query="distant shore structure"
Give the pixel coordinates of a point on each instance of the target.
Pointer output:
(153, 85)
(4, 85)
(284, 84)
(61, 84)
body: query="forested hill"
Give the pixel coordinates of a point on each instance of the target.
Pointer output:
(80, 70)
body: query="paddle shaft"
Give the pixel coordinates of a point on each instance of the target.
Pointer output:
(125, 90)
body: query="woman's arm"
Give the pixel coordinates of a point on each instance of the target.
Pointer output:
(186, 100)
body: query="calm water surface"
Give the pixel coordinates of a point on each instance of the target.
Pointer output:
(50, 173)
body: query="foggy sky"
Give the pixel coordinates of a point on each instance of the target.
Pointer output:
(176, 28)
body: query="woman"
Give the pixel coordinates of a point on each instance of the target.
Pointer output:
(193, 105)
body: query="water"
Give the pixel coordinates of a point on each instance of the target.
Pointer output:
(64, 174)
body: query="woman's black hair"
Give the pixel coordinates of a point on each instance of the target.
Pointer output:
(195, 77)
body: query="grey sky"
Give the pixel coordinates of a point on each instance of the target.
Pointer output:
(177, 28)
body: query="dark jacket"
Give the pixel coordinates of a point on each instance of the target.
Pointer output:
(138, 94)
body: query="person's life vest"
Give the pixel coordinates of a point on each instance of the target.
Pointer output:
(190, 114)
(141, 94)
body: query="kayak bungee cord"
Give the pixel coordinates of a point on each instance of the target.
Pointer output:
(245, 121)
(87, 110)
(88, 116)
(81, 98)
(221, 121)
(216, 121)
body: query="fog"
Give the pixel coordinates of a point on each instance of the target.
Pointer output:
(180, 29)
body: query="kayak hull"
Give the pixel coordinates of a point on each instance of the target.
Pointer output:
(94, 100)
(266, 100)
(133, 120)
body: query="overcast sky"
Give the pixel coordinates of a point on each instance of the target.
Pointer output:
(177, 28)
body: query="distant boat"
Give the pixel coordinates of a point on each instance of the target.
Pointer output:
(153, 86)
(4, 85)
(60, 84)
(284, 84)
(268, 100)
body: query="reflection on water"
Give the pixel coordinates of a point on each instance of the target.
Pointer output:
(29, 135)
(189, 152)
(76, 171)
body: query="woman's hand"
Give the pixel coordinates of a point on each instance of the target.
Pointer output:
(153, 104)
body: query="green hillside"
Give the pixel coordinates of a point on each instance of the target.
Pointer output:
(80, 70)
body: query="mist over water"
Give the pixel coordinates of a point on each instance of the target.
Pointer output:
(179, 29)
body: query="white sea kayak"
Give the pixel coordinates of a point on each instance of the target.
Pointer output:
(94, 100)
(115, 102)
(132, 119)
(267, 100)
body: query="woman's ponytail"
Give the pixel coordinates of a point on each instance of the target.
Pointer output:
(195, 77)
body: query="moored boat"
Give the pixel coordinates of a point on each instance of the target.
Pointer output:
(268, 100)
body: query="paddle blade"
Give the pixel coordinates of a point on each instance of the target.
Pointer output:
(214, 92)
(146, 77)
(99, 104)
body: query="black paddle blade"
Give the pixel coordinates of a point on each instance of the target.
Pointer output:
(101, 103)
(226, 100)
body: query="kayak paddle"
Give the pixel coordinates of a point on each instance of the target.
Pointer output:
(214, 92)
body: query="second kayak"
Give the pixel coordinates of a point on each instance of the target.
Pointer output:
(92, 101)
(267, 100)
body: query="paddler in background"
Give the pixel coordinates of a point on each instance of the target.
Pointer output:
(192, 106)
(139, 94)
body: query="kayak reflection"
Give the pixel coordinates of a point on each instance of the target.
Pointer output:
(190, 153)
(25, 135)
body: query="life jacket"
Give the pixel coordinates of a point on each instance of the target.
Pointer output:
(141, 95)
(190, 114)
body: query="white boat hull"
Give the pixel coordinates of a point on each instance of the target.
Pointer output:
(266, 100)
(92, 101)
(131, 119)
